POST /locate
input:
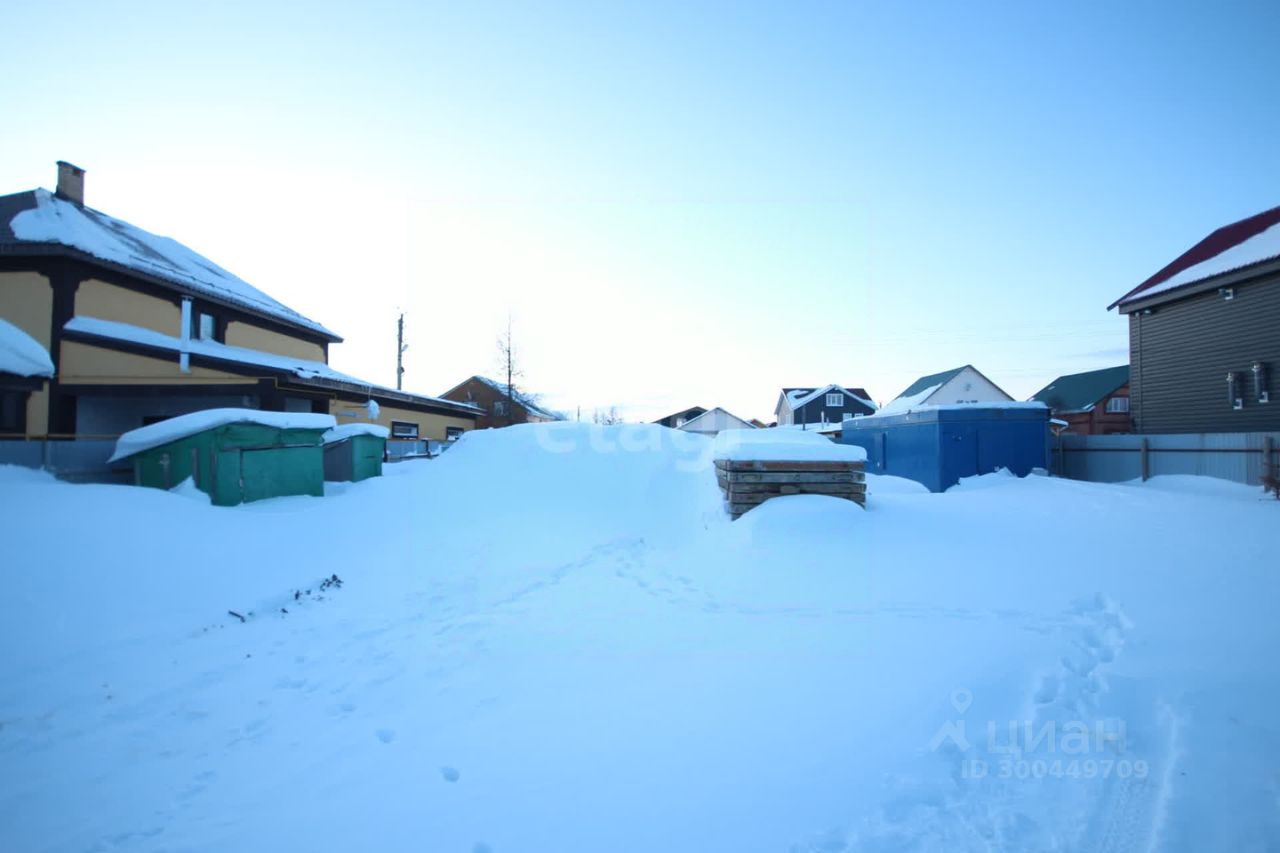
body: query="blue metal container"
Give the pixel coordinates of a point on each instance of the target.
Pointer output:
(936, 447)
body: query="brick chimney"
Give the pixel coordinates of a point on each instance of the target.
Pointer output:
(70, 182)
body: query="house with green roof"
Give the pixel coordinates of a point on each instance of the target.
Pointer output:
(1095, 402)
(963, 384)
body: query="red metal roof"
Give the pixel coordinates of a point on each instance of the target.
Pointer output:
(1215, 244)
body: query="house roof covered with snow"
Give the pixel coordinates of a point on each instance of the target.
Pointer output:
(21, 354)
(1250, 242)
(312, 372)
(797, 397)
(932, 381)
(184, 426)
(41, 222)
(1080, 392)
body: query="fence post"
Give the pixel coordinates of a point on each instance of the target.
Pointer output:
(1145, 461)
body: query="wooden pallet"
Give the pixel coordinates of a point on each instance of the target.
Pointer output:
(747, 484)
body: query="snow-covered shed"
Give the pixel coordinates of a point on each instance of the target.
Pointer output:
(233, 455)
(354, 452)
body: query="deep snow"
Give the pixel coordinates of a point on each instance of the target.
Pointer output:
(21, 354)
(551, 639)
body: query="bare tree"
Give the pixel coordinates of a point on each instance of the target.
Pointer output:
(607, 418)
(509, 365)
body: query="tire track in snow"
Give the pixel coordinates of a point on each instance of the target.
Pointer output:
(1117, 809)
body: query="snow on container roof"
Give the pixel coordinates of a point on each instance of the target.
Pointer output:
(184, 426)
(21, 354)
(342, 432)
(781, 445)
(45, 218)
(952, 409)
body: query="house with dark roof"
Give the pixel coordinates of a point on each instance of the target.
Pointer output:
(1095, 402)
(963, 384)
(139, 328)
(499, 405)
(1204, 334)
(823, 405)
(675, 420)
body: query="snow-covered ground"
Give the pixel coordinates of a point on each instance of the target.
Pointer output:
(551, 639)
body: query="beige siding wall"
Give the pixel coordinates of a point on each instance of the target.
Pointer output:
(38, 412)
(86, 364)
(251, 337)
(429, 425)
(26, 301)
(96, 298)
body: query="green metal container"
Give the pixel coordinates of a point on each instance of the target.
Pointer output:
(355, 458)
(238, 462)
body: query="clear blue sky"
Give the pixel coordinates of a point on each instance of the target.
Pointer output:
(678, 203)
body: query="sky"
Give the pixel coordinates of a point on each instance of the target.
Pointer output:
(675, 204)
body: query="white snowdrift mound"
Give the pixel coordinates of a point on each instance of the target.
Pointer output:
(551, 639)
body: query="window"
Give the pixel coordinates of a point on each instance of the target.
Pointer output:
(452, 433)
(1117, 405)
(13, 411)
(836, 399)
(205, 327)
(403, 429)
(499, 407)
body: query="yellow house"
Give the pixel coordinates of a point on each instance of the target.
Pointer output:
(140, 328)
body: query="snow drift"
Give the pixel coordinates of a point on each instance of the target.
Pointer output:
(551, 638)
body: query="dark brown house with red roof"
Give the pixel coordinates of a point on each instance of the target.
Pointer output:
(1204, 334)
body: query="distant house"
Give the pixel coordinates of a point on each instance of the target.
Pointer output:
(139, 328)
(1092, 403)
(677, 419)
(491, 397)
(829, 404)
(713, 421)
(1204, 334)
(957, 385)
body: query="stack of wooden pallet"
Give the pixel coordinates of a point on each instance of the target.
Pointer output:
(748, 483)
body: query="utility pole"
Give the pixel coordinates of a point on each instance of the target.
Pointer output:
(400, 348)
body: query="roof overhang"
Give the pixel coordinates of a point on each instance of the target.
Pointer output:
(283, 376)
(1139, 302)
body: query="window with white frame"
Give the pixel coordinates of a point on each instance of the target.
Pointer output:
(404, 429)
(499, 407)
(836, 399)
(1118, 405)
